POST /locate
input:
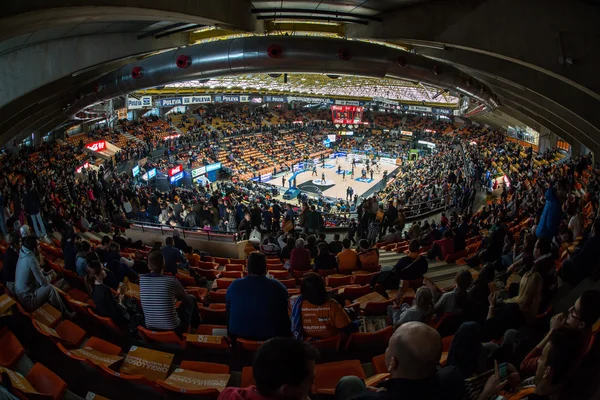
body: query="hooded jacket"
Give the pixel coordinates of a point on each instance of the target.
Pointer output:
(28, 277)
(550, 219)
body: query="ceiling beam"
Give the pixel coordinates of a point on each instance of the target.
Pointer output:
(304, 18)
(309, 11)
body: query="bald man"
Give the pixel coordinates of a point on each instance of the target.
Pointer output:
(412, 359)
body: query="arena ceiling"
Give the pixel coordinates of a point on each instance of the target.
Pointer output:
(539, 57)
(322, 85)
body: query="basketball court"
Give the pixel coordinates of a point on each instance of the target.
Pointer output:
(336, 183)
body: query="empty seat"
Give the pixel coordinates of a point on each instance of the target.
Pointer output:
(210, 274)
(331, 344)
(378, 363)
(47, 382)
(248, 345)
(213, 316)
(354, 292)
(328, 375)
(234, 267)
(334, 282)
(232, 274)
(223, 283)
(103, 346)
(11, 350)
(279, 274)
(71, 333)
(247, 377)
(221, 260)
(168, 337)
(363, 279)
(289, 283)
(370, 339)
(209, 330)
(218, 296)
(207, 265)
(205, 367)
(237, 261)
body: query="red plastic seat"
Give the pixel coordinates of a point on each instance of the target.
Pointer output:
(218, 296)
(71, 333)
(451, 258)
(207, 265)
(247, 377)
(106, 322)
(382, 337)
(232, 274)
(276, 267)
(377, 307)
(221, 260)
(354, 292)
(378, 363)
(210, 274)
(206, 367)
(237, 261)
(248, 345)
(224, 283)
(276, 274)
(326, 272)
(234, 267)
(289, 283)
(103, 346)
(331, 344)
(168, 337)
(11, 350)
(339, 281)
(328, 375)
(47, 382)
(208, 330)
(363, 279)
(213, 316)
(186, 280)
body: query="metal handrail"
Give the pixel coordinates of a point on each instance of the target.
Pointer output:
(182, 229)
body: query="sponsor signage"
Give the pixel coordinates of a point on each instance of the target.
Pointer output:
(349, 102)
(100, 145)
(171, 137)
(386, 101)
(80, 168)
(443, 111)
(176, 170)
(275, 99)
(198, 171)
(406, 133)
(419, 108)
(309, 99)
(196, 99)
(387, 160)
(182, 101)
(122, 113)
(135, 171)
(176, 177)
(134, 103)
(150, 174)
(213, 167)
(256, 100)
(227, 98)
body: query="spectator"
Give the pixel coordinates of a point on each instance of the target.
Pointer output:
(193, 258)
(325, 260)
(104, 301)
(551, 216)
(81, 262)
(335, 246)
(300, 257)
(411, 358)
(480, 290)
(311, 245)
(282, 368)
(245, 227)
(454, 301)
(442, 248)
(158, 295)
(315, 315)
(178, 242)
(466, 352)
(544, 265)
(269, 248)
(32, 286)
(120, 266)
(368, 257)
(286, 251)
(257, 307)
(11, 257)
(70, 249)
(583, 315)
(103, 249)
(174, 260)
(31, 201)
(582, 264)
(515, 312)
(421, 310)
(347, 259)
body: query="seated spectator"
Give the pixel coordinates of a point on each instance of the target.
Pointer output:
(158, 295)
(480, 290)
(257, 307)
(544, 265)
(421, 310)
(583, 315)
(311, 245)
(193, 258)
(33, 286)
(315, 315)
(121, 266)
(335, 246)
(347, 259)
(466, 352)
(286, 251)
(178, 242)
(11, 257)
(81, 263)
(583, 263)
(283, 368)
(322, 237)
(174, 260)
(269, 247)
(70, 248)
(325, 260)
(103, 249)
(556, 367)
(514, 312)
(442, 248)
(105, 302)
(368, 257)
(411, 358)
(300, 257)
(454, 301)
(410, 268)
(524, 260)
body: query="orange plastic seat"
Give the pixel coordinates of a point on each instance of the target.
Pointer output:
(205, 329)
(289, 283)
(293, 292)
(186, 280)
(339, 281)
(210, 274)
(363, 279)
(247, 377)
(326, 272)
(47, 382)
(232, 274)
(103, 346)
(217, 306)
(379, 364)
(234, 267)
(328, 375)
(218, 296)
(331, 344)
(451, 258)
(276, 274)
(106, 322)
(248, 345)
(221, 260)
(446, 343)
(213, 316)
(71, 333)
(224, 283)
(168, 337)
(207, 265)
(78, 295)
(382, 337)
(276, 267)
(377, 307)
(11, 349)
(198, 292)
(237, 261)
(206, 367)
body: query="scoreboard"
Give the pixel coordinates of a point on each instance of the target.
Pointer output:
(347, 115)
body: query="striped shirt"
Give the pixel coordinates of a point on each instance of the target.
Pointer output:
(158, 294)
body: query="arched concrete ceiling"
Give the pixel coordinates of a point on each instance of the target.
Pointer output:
(539, 56)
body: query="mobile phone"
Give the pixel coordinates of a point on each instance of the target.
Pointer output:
(503, 372)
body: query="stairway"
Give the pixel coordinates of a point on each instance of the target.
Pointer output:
(440, 272)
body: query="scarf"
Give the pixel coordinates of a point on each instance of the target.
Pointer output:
(296, 318)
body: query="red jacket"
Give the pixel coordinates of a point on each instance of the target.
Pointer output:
(300, 259)
(249, 393)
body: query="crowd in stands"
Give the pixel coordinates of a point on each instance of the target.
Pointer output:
(534, 240)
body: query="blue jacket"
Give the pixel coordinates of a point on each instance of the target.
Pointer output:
(550, 219)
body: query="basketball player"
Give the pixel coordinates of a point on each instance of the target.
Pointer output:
(323, 178)
(344, 176)
(314, 171)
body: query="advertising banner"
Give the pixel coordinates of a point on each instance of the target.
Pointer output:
(135, 171)
(149, 175)
(443, 111)
(176, 177)
(213, 167)
(275, 99)
(198, 171)
(386, 101)
(81, 167)
(196, 100)
(349, 102)
(232, 98)
(419, 108)
(175, 170)
(305, 99)
(387, 160)
(100, 145)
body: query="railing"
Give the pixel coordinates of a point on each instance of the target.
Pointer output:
(152, 227)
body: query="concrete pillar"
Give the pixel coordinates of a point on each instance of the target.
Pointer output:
(548, 139)
(37, 139)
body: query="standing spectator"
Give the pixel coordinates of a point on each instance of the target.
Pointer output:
(31, 201)
(81, 261)
(178, 242)
(158, 295)
(351, 232)
(257, 307)
(551, 216)
(245, 227)
(173, 258)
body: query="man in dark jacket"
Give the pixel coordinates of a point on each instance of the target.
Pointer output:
(31, 201)
(583, 263)
(411, 358)
(11, 257)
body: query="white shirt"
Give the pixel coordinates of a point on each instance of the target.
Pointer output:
(574, 226)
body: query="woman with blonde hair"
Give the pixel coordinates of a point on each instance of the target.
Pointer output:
(517, 311)
(421, 309)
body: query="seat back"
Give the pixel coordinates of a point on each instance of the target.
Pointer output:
(232, 274)
(46, 381)
(234, 267)
(213, 316)
(248, 345)
(107, 322)
(218, 296)
(377, 307)
(289, 283)
(381, 337)
(354, 292)
(331, 344)
(103, 346)
(168, 337)
(328, 375)
(205, 367)
(339, 281)
(247, 377)
(378, 363)
(11, 349)
(276, 274)
(363, 279)
(210, 274)
(237, 261)
(221, 260)
(207, 265)
(224, 283)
